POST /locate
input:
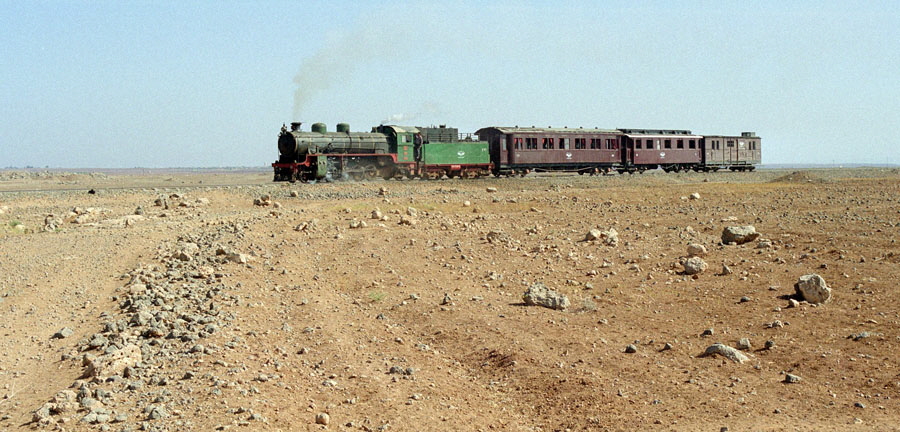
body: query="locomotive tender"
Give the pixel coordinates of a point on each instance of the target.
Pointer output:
(390, 151)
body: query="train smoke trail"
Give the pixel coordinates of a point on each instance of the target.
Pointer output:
(342, 56)
(428, 109)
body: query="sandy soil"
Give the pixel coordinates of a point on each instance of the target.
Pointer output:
(210, 312)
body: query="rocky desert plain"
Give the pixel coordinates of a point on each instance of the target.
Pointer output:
(204, 301)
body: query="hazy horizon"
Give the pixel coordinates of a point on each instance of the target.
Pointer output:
(164, 84)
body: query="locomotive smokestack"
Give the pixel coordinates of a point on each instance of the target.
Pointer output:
(295, 126)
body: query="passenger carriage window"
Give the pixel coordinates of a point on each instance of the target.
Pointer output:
(729, 143)
(692, 144)
(593, 143)
(668, 144)
(679, 144)
(563, 143)
(637, 144)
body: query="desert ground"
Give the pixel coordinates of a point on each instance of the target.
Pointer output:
(223, 301)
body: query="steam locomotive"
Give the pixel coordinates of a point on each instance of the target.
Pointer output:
(391, 151)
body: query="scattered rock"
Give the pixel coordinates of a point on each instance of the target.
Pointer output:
(114, 363)
(323, 418)
(631, 349)
(539, 295)
(725, 351)
(694, 265)
(791, 379)
(744, 344)
(610, 237)
(695, 249)
(263, 201)
(694, 196)
(739, 234)
(63, 333)
(813, 289)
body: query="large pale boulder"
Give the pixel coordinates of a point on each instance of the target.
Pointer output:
(739, 234)
(694, 265)
(539, 295)
(813, 289)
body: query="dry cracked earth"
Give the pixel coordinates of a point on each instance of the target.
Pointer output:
(222, 301)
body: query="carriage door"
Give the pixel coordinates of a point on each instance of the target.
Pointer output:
(628, 153)
(731, 150)
(508, 142)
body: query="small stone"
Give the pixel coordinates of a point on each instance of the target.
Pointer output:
(708, 332)
(631, 349)
(610, 237)
(157, 412)
(667, 347)
(725, 351)
(323, 419)
(791, 379)
(447, 300)
(726, 270)
(63, 333)
(744, 344)
(696, 249)
(694, 196)
(770, 344)
(744, 299)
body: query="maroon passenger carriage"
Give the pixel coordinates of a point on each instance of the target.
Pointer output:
(520, 150)
(671, 150)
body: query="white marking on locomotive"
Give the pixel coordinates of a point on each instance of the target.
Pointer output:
(461, 154)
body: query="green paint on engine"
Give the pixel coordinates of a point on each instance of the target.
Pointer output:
(455, 153)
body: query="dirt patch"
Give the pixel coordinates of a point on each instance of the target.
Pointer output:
(402, 309)
(798, 177)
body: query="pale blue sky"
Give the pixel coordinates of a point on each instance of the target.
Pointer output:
(119, 84)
